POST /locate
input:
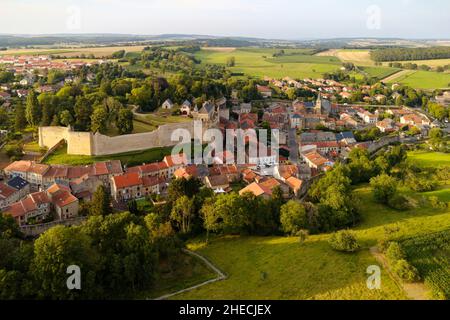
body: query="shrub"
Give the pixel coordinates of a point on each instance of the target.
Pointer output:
(394, 252)
(302, 235)
(344, 241)
(399, 202)
(435, 203)
(406, 271)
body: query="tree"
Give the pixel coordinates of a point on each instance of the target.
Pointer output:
(210, 217)
(66, 118)
(361, 167)
(101, 202)
(231, 62)
(83, 112)
(99, 119)
(182, 213)
(56, 250)
(344, 241)
(128, 254)
(32, 109)
(48, 103)
(183, 187)
(293, 217)
(133, 207)
(20, 121)
(124, 121)
(9, 227)
(384, 187)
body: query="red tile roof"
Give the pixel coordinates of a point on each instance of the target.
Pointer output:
(176, 160)
(6, 191)
(127, 180)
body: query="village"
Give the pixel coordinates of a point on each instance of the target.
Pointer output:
(313, 136)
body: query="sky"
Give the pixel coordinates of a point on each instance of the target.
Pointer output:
(274, 19)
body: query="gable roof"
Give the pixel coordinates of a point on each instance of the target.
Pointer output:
(207, 108)
(6, 191)
(127, 180)
(294, 183)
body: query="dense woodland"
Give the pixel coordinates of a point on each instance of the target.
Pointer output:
(405, 54)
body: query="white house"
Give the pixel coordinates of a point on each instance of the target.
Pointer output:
(168, 104)
(185, 108)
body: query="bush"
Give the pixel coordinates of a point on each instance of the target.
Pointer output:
(14, 151)
(395, 252)
(344, 241)
(384, 187)
(406, 271)
(399, 202)
(302, 236)
(436, 203)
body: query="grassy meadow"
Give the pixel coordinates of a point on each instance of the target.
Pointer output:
(429, 159)
(423, 79)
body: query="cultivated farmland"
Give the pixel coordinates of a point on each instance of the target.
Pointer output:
(430, 255)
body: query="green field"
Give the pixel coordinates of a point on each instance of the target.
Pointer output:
(60, 156)
(429, 159)
(281, 268)
(256, 62)
(424, 80)
(379, 72)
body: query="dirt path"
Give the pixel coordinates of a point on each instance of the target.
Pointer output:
(414, 291)
(220, 276)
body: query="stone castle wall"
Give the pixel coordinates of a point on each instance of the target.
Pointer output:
(87, 143)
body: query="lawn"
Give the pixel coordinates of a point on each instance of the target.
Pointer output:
(256, 62)
(424, 80)
(60, 156)
(160, 117)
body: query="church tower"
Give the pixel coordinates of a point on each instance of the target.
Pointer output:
(318, 106)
